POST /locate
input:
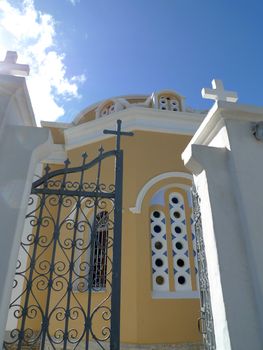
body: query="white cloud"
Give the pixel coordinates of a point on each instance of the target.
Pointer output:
(32, 34)
(79, 78)
(74, 2)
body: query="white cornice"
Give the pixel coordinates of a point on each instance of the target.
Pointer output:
(133, 119)
(215, 120)
(221, 111)
(56, 125)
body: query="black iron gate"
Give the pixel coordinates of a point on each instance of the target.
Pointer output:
(205, 322)
(66, 292)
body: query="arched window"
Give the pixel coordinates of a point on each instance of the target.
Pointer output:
(173, 246)
(108, 109)
(100, 251)
(109, 106)
(168, 100)
(83, 264)
(169, 103)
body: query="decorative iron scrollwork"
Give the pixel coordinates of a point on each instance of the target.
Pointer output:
(66, 292)
(205, 322)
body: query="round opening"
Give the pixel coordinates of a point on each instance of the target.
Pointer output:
(177, 215)
(159, 262)
(181, 280)
(177, 229)
(157, 228)
(164, 108)
(158, 245)
(174, 103)
(160, 280)
(175, 200)
(179, 245)
(156, 214)
(180, 262)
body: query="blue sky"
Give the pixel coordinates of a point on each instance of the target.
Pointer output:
(118, 47)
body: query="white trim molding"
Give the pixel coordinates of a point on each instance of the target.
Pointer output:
(138, 206)
(57, 125)
(145, 119)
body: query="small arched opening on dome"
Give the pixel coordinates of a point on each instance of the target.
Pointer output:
(108, 107)
(168, 101)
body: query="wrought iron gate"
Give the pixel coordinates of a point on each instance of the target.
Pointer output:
(66, 292)
(205, 322)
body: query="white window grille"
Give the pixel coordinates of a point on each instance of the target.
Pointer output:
(173, 244)
(169, 103)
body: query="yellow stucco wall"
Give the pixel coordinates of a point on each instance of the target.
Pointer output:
(144, 320)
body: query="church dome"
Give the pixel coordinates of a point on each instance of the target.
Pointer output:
(165, 100)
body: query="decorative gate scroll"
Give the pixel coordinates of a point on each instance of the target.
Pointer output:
(205, 322)
(66, 292)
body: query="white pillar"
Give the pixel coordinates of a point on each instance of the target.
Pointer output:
(22, 145)
(227, 163)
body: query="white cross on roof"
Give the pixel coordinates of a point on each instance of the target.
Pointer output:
(10, 67)
(218, 93)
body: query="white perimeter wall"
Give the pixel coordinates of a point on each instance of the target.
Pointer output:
(227, 163)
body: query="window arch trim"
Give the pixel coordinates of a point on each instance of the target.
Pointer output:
(141, 195)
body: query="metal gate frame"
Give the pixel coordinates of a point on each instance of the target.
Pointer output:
(205, 322)
(55, 184)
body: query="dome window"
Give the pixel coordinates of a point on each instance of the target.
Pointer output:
(169, 103)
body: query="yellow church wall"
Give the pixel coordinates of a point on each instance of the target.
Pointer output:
(144, 319)
(57, 135)
(81, 298)
(58, 298)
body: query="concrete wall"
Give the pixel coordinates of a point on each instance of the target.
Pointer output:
(227, 162)
(21, 147)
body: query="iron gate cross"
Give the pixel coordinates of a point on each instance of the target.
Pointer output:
(118, 133)
(116, 269)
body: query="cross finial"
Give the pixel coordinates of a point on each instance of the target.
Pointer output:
(218, 93)
(118, 133)
(10, 67)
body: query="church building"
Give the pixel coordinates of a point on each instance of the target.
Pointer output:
(159, 288)
(136, 226)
